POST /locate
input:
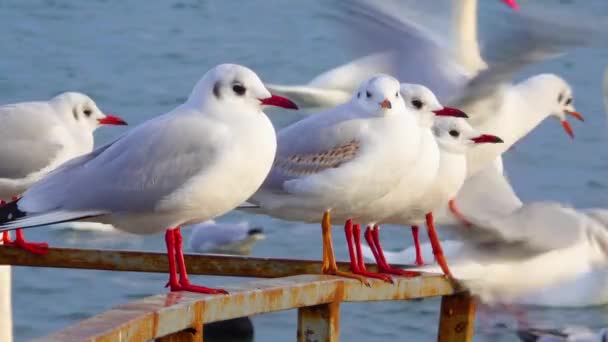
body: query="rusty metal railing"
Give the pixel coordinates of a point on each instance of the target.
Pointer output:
(181, 316)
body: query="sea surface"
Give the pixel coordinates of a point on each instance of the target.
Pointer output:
(138, 59)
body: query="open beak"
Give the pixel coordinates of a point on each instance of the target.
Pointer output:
(386, 104)
(512, 3)
(568, 128)
(487, 138)
(279, 101)
(575, 115)
(449, 111)
(112, 120)
(566, 124)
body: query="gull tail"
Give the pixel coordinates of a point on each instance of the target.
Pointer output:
(308, 97)
(12, 217)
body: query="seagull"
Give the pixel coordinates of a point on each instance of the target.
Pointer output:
(444, 75)
(39, 136)
(452, 138)
(196, 162)
(226, 238)
(486, 93)
(337, 161)
(567, 334)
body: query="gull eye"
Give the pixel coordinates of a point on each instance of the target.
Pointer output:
(417, 103)
(359, 95)
(568, 101)
(397, 94)
(239, 89)
(368, 94)
(88, 112)
(454, 133)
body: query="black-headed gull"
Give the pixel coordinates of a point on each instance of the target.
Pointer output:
(339, 160)
(225, 238)
(39, 136)
(488, 95)
(453, 137)
(196, 162)
(458, 60)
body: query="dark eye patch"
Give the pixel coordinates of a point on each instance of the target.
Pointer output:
(397, 94)
(216, 90)
(368, 94)
(560, 98)
(75, 114)
(454, 133)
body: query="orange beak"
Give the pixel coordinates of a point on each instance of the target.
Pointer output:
(386, 104)
(112, 120)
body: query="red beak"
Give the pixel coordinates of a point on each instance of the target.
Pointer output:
(512, 4)
(448, 111)
(487, 138)
(568, 128)
(112, 120)
(279, 101)
(575, 115)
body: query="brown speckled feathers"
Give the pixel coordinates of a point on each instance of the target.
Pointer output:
(306, 164)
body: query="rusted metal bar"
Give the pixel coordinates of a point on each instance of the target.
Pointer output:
(137, 261)
(319, 323)
(162, 315)
(457, 318)
(188, 335)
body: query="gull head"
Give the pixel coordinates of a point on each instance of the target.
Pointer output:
(227, 87)
(81, 111)
(422, 101)
(556, 93)
(455, 135)
(380, 95)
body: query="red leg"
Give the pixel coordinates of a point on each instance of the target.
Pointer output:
(458, 214)
(184, 283)
(385, 267)
(372, 245)
(39, 248)
(173, 284)
(419, 261)
(348, 233)
(356, 261)
(437, 250)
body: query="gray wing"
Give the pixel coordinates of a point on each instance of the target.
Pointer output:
(312, 145)
(133, 173)
(540, 226)
(529, 39)
(411, 53)
(27, 145)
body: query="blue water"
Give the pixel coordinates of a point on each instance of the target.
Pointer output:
(138, 59)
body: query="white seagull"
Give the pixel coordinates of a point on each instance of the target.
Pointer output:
(339, 160)
(225, 238)
(196, 162)
(39, 136)
(562, 252)
(452, 61)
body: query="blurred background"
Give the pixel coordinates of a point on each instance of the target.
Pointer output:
(138, 59)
